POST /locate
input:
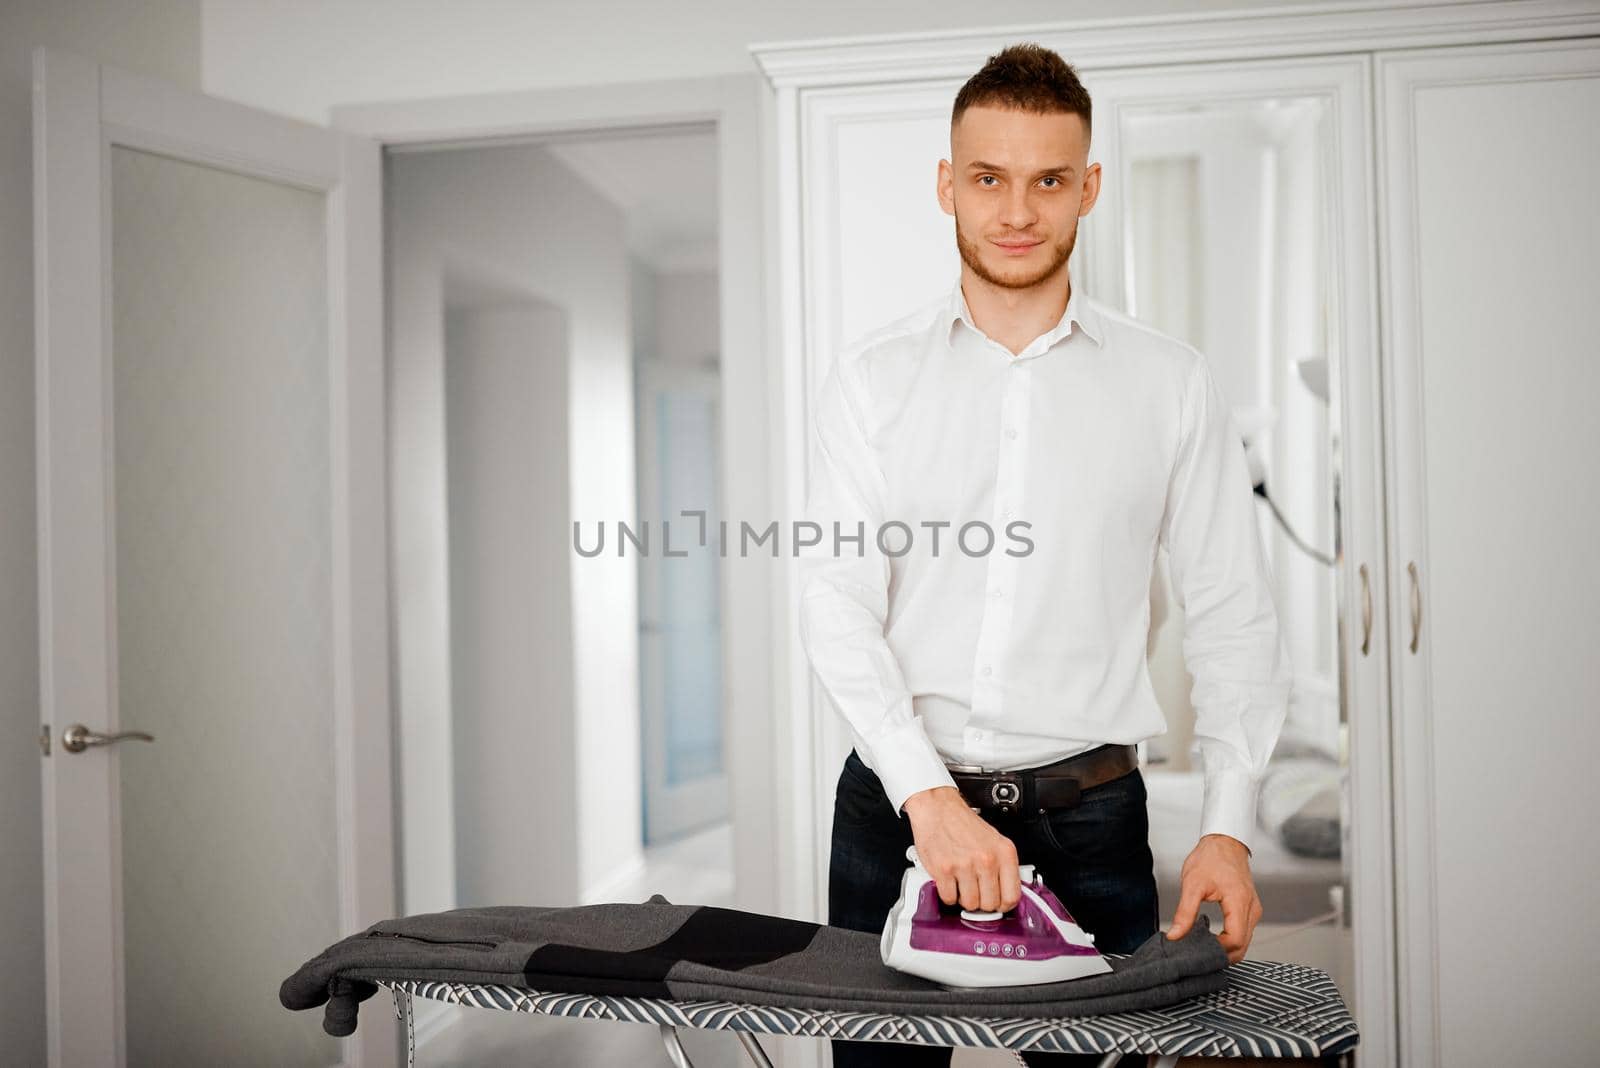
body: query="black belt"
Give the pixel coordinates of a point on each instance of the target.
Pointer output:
(1049, 786)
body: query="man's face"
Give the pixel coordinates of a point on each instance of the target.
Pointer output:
(1017, 183)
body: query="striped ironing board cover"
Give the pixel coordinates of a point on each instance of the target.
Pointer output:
(1268, 1009)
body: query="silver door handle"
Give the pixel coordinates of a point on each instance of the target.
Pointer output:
(77, 738)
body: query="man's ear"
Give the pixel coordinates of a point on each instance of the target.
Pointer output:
(1091, 189)
(944, 187)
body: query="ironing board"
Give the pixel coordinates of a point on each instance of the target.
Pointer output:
(1268, 1009)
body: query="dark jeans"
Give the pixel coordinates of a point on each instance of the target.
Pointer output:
(1094, 856)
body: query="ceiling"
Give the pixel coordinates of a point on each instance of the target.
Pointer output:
(665, 183)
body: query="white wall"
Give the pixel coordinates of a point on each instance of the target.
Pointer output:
(301, 59)
(161, 40)
(511, 639)
(642, 307)
(686, 320)
(516, 225)
(675, 315)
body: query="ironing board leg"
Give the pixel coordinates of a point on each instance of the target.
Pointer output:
(669, 1036)
(406, 1014)
(753, 1047)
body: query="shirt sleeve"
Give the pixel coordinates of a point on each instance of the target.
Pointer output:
(844, 599)
(1232, 643)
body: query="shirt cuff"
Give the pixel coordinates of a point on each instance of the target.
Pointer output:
(1230, 806)
(907, 763)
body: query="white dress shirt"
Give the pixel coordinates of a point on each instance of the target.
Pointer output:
(1100, 438)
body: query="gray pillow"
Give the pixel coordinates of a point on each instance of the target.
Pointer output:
(1299, 804)
(1314, 830)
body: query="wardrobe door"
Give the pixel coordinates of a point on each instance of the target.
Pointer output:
(1235, 213)
(1491, 244)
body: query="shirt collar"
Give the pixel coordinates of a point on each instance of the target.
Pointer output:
(1079, 310)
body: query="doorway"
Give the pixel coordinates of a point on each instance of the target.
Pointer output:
(554, 346)
(566, 789)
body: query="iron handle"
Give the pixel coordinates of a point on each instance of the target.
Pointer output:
(1366, 611)
(77, 738)
(1416, 605)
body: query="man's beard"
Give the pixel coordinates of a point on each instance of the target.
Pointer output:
(971, 256)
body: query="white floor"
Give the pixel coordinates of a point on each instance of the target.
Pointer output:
(696, 869)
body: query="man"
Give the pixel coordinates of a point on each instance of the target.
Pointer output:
(993, 475)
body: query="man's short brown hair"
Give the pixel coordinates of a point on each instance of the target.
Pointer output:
(1026, 77)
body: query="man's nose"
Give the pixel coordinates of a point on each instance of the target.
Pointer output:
(1016, 210)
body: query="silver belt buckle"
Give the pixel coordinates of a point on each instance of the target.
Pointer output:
(1005, 792)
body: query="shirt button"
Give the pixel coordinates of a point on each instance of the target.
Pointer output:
(987, 670)
(1011, 434)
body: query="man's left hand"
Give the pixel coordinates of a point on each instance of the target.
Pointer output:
(1219, 870)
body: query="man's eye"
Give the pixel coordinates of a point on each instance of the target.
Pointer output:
(985, 177)
(1051, 178)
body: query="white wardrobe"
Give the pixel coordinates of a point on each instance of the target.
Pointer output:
(1432, 187)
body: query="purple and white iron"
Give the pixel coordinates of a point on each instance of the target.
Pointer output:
(1036, 942)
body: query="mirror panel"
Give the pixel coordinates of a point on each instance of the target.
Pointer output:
(1223, 220)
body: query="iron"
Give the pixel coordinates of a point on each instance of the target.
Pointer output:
(1036, 942)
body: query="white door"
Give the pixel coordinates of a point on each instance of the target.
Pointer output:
(212, 569)
(1488, 165)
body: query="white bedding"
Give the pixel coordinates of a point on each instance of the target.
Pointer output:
(1292, 888)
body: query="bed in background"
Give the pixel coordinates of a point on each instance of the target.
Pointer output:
(1293, 887)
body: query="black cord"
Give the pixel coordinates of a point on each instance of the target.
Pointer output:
(1315, 554)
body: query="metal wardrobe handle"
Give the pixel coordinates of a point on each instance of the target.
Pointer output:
(1416, 605)
(1366, 611)
(77, 738)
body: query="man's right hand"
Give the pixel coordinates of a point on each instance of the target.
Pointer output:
(969, 860)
